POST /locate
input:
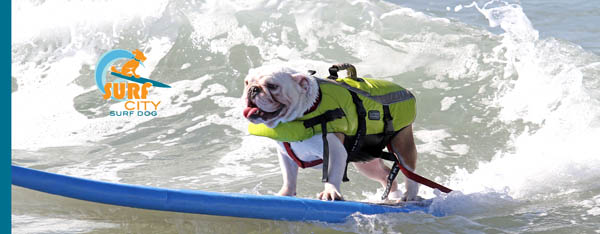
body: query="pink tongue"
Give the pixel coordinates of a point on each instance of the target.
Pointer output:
(249, 111)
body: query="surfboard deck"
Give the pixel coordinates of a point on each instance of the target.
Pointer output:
(141, 80)
(202, 202)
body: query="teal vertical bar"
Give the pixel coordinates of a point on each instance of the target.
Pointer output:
(5, 116)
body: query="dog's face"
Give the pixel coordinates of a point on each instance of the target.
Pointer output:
(273, 95)
(139, 55)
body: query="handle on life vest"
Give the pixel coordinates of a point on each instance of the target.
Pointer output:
(333, 70)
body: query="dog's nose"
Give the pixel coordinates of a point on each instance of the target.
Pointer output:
(254, 91)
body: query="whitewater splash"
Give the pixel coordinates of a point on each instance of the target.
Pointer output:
(553, 150)
(508, 120)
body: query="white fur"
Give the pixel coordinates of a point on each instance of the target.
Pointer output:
(303, 92)
(309, 150)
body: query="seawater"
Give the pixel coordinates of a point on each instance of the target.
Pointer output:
(507, 93)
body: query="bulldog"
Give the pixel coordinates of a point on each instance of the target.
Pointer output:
(273, 95)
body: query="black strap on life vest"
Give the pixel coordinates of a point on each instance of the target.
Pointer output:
(388, 126)
(362, 124)
(392, 176)
(360, 110)
(388, 133)
(322, 119)
(361, 130)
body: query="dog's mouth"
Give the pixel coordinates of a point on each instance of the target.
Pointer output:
(252, 112)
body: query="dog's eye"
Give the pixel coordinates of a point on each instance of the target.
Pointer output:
(246, 82)
(272, 86)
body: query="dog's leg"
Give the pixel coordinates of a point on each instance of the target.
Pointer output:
(337, 165)
(133, 70)
(289, 170)
(377, 171)
(404, 144)
(125, 70)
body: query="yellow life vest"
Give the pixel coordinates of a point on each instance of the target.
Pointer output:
(368, 111)
(337, 95)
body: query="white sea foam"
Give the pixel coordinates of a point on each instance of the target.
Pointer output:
(458, 7)
(447, 102)
(548, 93)
(35, 19)
(461, 149)
(592, 205)
(185, 66)
(106, 170)
(251, 148)
(432, 142)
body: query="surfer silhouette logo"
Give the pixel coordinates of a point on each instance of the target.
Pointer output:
(128, 69)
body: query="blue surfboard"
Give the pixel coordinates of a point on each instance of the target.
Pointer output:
(141, 80)
(201, 202)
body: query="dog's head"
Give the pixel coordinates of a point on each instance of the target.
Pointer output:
(139, 55)
(277, 94)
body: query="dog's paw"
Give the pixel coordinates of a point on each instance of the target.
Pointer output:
(411, 199)
(412, 189)
(395, 195)
(330, 193)
(286, 192)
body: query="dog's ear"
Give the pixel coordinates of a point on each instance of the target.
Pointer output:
(301, 80)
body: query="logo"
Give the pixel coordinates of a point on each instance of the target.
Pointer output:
(125, 84)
